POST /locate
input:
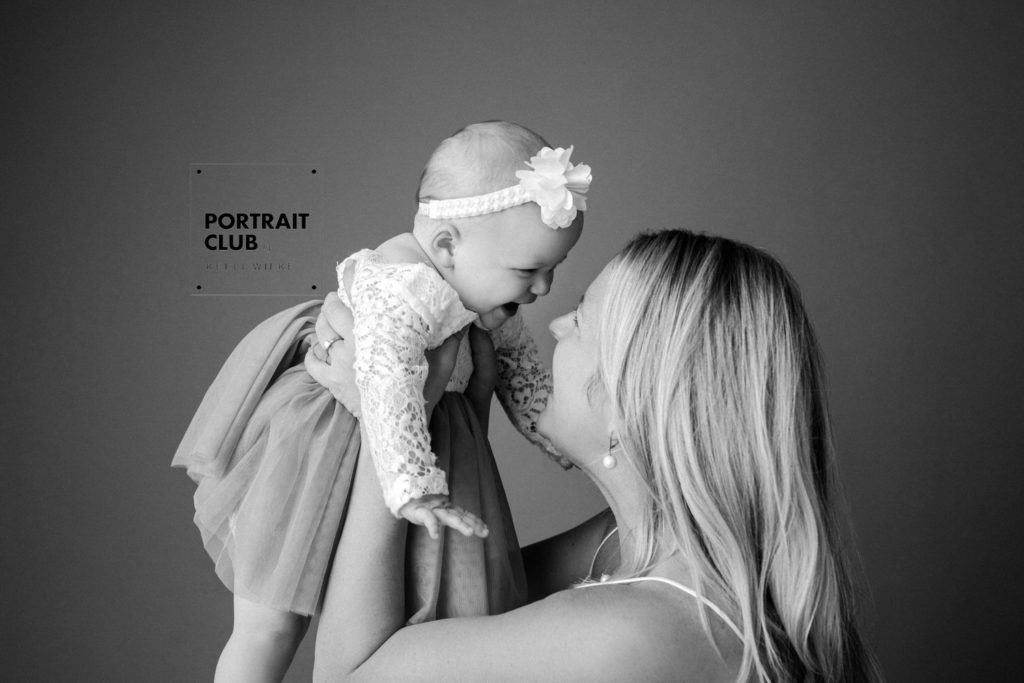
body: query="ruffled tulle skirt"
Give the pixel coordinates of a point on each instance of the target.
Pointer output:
(274, 455)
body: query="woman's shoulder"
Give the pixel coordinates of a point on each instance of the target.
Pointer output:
(609, 633)
(644, 631)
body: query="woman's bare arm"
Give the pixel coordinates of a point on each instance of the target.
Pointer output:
(606, 633)
(574, 635)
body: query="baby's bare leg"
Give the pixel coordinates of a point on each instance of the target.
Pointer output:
(262, 644)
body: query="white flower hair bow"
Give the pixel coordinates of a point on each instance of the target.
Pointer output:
(558, 187)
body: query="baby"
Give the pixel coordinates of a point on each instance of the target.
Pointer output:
(273, 452)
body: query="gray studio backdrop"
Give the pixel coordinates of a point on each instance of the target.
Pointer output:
(874, 147)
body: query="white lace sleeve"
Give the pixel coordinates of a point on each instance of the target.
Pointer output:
(524, 382)
(396, 319)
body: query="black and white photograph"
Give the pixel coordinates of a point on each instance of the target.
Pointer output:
(513, 341)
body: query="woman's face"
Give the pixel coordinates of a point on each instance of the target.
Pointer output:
(576, 419)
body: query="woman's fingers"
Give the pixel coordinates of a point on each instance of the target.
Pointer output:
(330, 361)
(334, 324)
(334, 331)
(338, 377)
(337, 314)
(324, 332)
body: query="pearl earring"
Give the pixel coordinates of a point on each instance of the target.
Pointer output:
(609, 461)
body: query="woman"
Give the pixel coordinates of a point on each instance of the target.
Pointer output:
(688, 386)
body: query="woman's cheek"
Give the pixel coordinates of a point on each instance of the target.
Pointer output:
(557, 417)
(547, 418)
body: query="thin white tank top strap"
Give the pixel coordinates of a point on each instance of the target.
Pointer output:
(593, 560)
(686, 589)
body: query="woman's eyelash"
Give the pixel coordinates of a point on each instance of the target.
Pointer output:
(575, 318)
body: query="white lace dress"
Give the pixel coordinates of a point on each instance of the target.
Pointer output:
(274, 454)
(400, 311)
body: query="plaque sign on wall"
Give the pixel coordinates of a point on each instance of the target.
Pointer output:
(255, 229)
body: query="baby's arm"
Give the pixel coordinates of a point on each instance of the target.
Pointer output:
(524, 382)
(390, 372)
(391, 363)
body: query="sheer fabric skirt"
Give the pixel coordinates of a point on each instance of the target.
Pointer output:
(270, 513)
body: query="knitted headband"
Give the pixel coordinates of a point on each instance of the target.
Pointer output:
(554, 184)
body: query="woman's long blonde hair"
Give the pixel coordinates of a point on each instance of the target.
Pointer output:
(716, 388)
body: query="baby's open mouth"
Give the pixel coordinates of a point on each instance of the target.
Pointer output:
(510, 308)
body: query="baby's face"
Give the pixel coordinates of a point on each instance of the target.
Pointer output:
(507, 259)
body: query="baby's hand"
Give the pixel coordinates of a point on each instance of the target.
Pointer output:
(435, 510)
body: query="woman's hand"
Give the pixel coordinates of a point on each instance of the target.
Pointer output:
(333, 368)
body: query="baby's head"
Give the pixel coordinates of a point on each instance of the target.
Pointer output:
(497, 258)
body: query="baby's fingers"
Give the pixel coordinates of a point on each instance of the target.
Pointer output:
(464, 522)
(425, 517)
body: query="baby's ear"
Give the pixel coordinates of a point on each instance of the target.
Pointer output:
(443, 243)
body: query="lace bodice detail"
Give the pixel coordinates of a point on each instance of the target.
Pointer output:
(400, 310)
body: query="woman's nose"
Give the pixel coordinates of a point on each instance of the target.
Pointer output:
(559, 326)
(542, 283)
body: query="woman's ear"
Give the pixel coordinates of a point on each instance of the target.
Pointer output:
(443, 244)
